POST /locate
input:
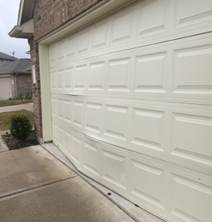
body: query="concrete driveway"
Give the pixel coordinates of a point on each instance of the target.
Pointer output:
(27, 106)
(35, 186)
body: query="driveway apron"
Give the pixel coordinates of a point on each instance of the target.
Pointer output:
(35, 186)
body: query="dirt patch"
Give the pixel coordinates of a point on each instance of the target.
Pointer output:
(12, 143)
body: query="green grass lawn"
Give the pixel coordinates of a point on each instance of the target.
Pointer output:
(14, 102)
(5, 118)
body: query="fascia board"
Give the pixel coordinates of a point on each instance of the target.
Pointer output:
(20, 12)
(3, 75)
(25, 11)
(15, 31)
(25, 30)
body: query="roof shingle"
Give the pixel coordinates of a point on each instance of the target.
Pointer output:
(17, 66)
(7, 57)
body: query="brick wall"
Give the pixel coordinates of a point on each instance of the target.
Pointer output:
(51, 14)
(21, 84)
(24, 84)
(48, 16)
(36, 89)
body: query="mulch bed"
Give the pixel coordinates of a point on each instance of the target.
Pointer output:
(13, 143)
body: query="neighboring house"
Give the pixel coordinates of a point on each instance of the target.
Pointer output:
(4, 58)
(15, 79)
(124, 89)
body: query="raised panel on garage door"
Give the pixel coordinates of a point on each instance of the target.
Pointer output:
(131, 105)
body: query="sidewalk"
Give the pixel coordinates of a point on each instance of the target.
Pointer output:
(27, 106)
(35, 186)
(3, 146)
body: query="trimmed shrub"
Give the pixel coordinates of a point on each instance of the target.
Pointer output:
(20, 126)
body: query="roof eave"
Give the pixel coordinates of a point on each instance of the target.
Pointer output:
(25, 30)
(25, 12)
(14, 72)
(15, 31)
(6, 74)
(7, 59)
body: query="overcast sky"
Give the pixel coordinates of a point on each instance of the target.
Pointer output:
(8, 19)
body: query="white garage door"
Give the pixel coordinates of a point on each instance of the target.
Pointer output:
(131, 105)
(5, 88)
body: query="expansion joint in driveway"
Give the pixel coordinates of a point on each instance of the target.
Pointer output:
(36, 187)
